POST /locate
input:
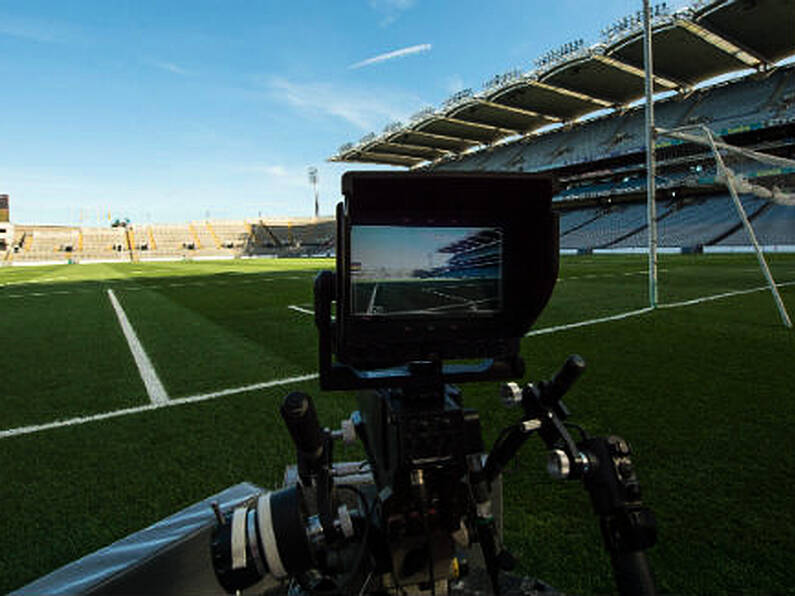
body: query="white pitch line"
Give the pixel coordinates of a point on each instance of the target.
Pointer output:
(624, 315)
(642, 311)
(724, 295)
(26, 430)
(216, 394)
(306, 311)
(157, 393)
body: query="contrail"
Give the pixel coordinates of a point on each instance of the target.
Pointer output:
(423, 47)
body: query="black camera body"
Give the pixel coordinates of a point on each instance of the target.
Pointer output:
(435, 267)
(439, 276)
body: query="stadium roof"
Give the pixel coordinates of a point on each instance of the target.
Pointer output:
(708, 39)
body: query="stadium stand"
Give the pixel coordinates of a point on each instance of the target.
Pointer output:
(103, 244)
(576, 117)
(232, 235)
(171, 240)
(295, 237)
(579, 116)
(773, 227)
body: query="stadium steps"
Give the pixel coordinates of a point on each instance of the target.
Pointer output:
(152, 241)
(739, 225)
(274, 238)
(129, 235)
(231, 236)
(774, 227)
(636, 230)
(195, 236)
(213, 234)
(582, 224)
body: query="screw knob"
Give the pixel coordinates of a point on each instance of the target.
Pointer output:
(348, 431)
(511, 394)
(558, 464)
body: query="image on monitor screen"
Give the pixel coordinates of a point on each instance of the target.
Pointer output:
(438, 271)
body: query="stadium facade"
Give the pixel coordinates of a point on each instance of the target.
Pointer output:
(578, 117)
(209, 239)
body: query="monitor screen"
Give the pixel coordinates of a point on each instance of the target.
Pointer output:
(417, 271)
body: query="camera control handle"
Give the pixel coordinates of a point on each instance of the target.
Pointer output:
(628, 527)
(300, 418)
(543, 411)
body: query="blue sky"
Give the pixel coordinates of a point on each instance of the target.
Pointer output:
(168, 111)
(389, 251)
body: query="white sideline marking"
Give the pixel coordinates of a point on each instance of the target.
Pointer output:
(157, 393)
(624, 315)
(642, 311)
(724, 295)
(371, 304)
(306, 311)
(25, 430)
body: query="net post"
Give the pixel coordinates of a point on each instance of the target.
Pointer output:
(651, 208)
(782, 310)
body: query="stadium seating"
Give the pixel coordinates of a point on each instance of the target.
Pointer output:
(711, 221)
(774, 227)
(599, 160)
(727, 108)
(613, 222)
(103, 244)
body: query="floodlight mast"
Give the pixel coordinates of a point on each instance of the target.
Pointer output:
(651, 191)
(313, 182)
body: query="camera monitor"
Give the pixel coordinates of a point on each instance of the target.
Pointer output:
(398, 271)
(436, 266)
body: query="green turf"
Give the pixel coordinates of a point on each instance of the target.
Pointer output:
(65, 356)
(702, 392)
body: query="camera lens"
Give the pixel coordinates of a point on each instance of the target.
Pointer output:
(264, 540)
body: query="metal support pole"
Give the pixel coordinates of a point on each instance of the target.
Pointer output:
(313, 181)
(651, 191)
(782, 310)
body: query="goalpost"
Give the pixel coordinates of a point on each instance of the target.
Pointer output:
(736, 182)
(739, 182)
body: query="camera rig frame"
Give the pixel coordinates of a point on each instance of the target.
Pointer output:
(425, 491)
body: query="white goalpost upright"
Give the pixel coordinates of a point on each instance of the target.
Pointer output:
(733, 182)
(651, 191)
(736, 184)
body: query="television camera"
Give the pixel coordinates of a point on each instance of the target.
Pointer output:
(438, 277)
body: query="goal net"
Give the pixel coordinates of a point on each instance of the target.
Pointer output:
(757, 189)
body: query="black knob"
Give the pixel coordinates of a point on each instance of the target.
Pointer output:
(567, 375)
(300, 417)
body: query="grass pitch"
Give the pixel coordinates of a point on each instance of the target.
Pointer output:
(703, 392)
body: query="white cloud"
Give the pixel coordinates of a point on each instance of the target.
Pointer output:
(367, 109)
(390, 9)
(271, 170)
(423, 47)
(35, 30)
(171, 67)
(453, 84)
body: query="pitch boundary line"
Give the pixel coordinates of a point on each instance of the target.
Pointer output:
(154, 388)
(25, 430)
(555, 329)
(301, 309)
(623, 315)
(643, 311)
